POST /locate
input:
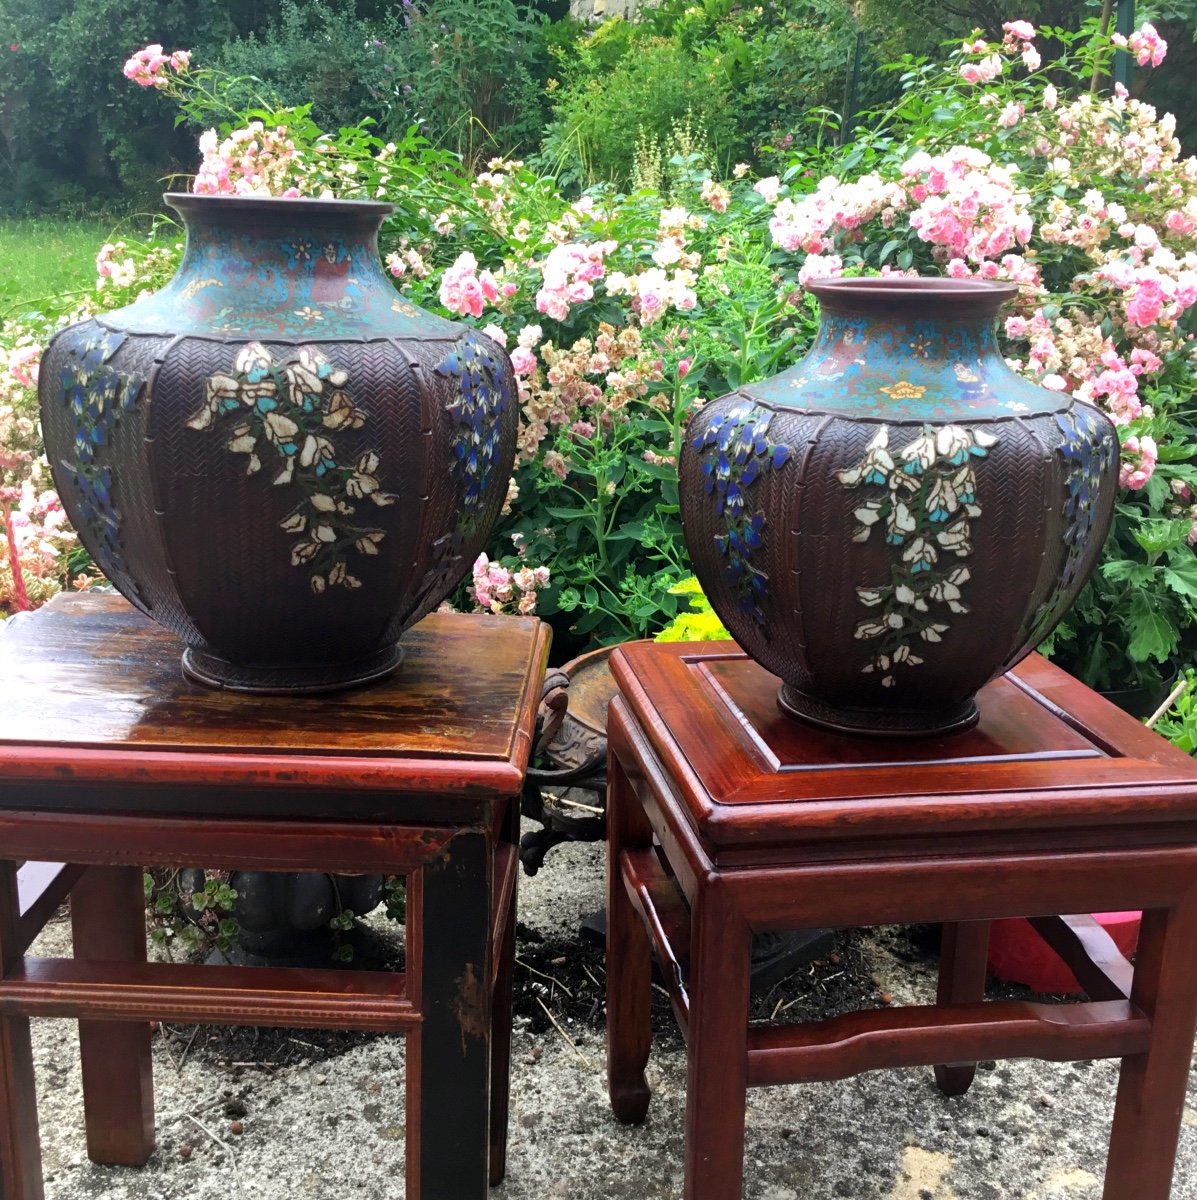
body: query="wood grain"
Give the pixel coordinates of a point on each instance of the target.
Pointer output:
(113, 678)
(726, 816)
(112, 762)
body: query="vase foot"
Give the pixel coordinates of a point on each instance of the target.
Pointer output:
(881, 722)
(284, 681)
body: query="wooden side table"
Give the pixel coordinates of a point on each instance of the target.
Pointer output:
(110, 761)
(726, 816)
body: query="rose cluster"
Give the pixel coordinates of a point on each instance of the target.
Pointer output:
(254, 161)
(500, 589)
(151, 67)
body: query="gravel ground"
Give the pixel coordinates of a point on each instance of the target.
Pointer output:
(331, 1124)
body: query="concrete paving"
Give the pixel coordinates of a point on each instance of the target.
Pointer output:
(1031, 1131)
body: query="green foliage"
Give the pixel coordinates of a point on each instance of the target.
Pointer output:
(185, 910)
(610, 528)
(395, 898)
(74, 135)
(468, 73)
(318, 54)
(1179, 722)
(748, 77)
(602, 116)
(699, 623)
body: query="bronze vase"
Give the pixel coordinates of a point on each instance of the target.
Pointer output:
(276, 456)
(899, 518)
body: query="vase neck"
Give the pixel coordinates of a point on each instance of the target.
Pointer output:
(907, 361)
(937, 340)
(286, 269)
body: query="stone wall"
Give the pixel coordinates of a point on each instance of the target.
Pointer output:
(602, 10)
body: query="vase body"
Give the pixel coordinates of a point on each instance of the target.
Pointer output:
(276, 456)
(899, 518)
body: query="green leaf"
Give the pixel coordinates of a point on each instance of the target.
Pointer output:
(1123, 569)
(1158, 535)
(1181, 574)
(568, 514)
(1152, 634)
(589, 622)
(655, 470)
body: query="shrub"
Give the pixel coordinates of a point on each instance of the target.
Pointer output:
(318, 54)
(622, 312)
(747, 77)
(73, 134)
(469, 75)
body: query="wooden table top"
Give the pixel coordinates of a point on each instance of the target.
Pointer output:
(93, 688)
(1047, 752)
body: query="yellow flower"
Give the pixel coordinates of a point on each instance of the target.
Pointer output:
(902, 390)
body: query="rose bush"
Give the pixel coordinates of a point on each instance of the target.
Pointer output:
(996, 166)
(624, 312)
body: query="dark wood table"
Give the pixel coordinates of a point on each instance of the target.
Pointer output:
(110, 762)
(726, 816)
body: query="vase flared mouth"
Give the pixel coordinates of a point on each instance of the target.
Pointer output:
(192, 204)
(899, 294)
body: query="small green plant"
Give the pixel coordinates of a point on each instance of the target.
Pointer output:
(188, 909)
(699, 623)
(1179, 721)
(395, 899)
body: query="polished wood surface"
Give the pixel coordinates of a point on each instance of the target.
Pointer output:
(1041, 756)
(113, 762)
(95, 695)
(114, 679)
(727, 817)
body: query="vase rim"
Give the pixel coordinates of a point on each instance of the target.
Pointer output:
(186, 202)
(973, 295)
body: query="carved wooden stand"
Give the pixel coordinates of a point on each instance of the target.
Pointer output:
(110, 761)
(1055, 803)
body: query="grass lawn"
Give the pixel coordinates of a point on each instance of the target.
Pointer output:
(43, 257)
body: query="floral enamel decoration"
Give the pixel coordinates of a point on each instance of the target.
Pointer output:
(903, 390)
(1089, 449)
(927, 499)
(484, 397)
(96, 396)
(736, 450)
(1088, 446)
(283, 417)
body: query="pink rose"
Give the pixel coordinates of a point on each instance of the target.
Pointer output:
(523, 360)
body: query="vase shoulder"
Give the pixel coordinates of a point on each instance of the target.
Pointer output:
(906, 370)
(305, 273)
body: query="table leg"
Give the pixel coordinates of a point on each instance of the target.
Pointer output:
(717, 1048)
(1151, 1086)
(500, 1047)
(963, 958)
(449, 1055)
(629, 959)
(108, 925)
(20, 1146)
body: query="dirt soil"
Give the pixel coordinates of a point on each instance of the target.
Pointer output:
(309, 1115)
